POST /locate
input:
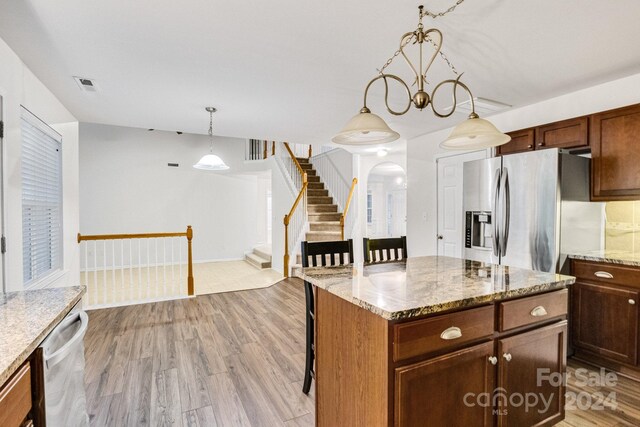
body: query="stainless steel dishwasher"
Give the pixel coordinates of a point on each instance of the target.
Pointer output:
(63, 353)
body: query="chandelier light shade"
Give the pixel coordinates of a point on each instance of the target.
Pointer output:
(211, 162)
(367, 128)
(474, 133)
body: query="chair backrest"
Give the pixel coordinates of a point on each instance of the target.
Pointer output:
(380, 250)
(334, 251)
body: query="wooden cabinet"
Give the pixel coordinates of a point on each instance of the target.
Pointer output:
(605, 321)
(615, 165)
(528, 366)
(440, 368)
(521, 141)
(22, 395)
(567, 134)
(425, 389)
(572, 133)
(605, 316)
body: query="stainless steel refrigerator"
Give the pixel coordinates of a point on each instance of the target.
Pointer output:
(529, 210)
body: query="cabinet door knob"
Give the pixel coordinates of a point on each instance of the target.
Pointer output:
(540, 144)
(538, 311)
(451, 333)
(507, 357)
(632, 301)
(530, 146)
(493, 360)
(603, 274)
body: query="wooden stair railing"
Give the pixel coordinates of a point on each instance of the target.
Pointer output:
(188, 234)
(346, 207)
(287, 218)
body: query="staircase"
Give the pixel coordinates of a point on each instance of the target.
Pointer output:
(322, 213)
(260, 257)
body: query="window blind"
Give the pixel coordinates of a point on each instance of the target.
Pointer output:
(41, 198)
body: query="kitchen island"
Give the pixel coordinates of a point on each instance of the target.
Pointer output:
(438, 341)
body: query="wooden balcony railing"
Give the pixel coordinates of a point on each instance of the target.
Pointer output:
(298, 215)
(116, 276)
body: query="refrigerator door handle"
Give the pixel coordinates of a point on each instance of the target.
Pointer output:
(505, 216)
(495, 212)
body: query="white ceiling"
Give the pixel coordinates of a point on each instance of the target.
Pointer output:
(295, 70)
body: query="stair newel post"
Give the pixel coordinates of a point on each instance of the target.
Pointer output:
(286, 246)
(264, 149)
(189, 261)
(273, 148)
(310, 150)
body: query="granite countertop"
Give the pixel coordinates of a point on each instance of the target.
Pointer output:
(611, 257)
(424, 285)
(26, 318)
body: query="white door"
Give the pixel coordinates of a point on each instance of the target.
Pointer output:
(450, 215)
(2, 242)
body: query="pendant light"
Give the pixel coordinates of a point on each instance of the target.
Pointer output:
(210, 161)
(367, 128)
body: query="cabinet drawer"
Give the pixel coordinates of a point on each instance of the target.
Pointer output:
(441, 332)
(533, 309)
(607, 273)
(15, 398)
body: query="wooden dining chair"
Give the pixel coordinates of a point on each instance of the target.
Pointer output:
(381, 250)
(329, 254)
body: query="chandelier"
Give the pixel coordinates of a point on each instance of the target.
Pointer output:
(368, 128)
(210, 161)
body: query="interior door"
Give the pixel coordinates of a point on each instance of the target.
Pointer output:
(450, 215)
(2, 242)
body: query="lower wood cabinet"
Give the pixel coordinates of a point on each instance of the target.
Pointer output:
(605, 315)
(529, 391)
(446, 387)
(444, 369)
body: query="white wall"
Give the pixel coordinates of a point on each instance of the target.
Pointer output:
(19, 86)
(127, 187)
(422, 151)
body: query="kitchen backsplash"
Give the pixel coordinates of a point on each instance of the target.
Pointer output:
(622, 229)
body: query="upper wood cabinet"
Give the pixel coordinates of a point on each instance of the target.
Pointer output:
(615, 152)
(572, 133)
(521, 141)
(567, 134)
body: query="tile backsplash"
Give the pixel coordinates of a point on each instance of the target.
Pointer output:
(622, 229)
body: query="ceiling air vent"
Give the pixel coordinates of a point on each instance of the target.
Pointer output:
(87, 85)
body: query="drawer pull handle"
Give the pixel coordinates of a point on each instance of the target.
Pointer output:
(493, 360)
(507, 357)
(451, 333)
(538, 311)
(632, 301)
(603, 275)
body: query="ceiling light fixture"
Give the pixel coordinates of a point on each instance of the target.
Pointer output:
(382, 152)
(368, 128)
(210, 161)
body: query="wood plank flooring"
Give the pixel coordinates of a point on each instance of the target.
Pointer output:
(232, 359)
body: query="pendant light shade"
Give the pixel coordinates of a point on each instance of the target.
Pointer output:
(474, 133)
(211, 162)
(365, 128)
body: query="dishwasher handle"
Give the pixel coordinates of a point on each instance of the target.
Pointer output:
(55, 358)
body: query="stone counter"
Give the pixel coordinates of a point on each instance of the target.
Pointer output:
(26, 318)
(611, 257)
(424, 285)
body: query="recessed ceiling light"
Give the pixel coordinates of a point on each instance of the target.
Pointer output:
(382, 152)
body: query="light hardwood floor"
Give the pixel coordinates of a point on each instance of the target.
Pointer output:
(232, 359)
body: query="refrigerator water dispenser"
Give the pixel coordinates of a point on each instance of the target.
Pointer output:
(478, 230)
